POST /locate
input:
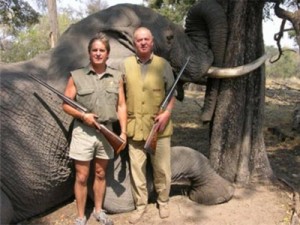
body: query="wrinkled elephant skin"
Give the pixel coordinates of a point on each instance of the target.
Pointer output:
(36, 172)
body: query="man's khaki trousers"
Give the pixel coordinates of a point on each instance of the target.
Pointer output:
(161, 164)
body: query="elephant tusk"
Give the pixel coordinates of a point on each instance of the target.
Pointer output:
(216, 72)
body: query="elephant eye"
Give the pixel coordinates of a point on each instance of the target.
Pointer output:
(170, 37)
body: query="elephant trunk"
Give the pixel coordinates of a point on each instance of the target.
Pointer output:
(206, 26)
(214, 25)
(204, 40)
(206, 23)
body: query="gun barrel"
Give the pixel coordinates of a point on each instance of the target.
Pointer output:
(60, 95)
(114, 140)
(170, 93)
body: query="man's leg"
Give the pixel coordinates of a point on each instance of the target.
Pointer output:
(138, 161)
(80, 187)
(99, 182)
(161, 163)
(99, 188)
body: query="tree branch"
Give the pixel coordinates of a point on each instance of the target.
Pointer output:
(293, 17)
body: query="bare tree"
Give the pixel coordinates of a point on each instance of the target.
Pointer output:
(94, 6)
(237, 148)
(293, 17)
(54, 30)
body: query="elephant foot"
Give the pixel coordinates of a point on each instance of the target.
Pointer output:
(205, 186)
(222, 191)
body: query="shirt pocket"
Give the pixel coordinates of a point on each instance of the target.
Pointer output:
(84, 96)
(111, 94)
(86, 91)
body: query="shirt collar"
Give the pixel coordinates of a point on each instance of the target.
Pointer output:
(147, 62)
(89, 70)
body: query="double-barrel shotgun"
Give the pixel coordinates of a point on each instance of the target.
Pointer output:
(114, 140)
(150, 145)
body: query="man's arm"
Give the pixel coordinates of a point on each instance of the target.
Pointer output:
(122, 111)
(70, 92)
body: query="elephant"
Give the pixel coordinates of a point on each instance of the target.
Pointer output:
(36, 172)
(205, 185)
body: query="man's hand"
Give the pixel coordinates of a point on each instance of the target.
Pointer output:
(162, 120)
(90, 119)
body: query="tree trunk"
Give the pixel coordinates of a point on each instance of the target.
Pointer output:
(54, 31)
(237, 150)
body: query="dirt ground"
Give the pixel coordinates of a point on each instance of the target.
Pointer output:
(269, 204)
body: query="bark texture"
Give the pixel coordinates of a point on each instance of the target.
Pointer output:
(53, 19)
(237, 149)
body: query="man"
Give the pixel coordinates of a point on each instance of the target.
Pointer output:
(148, 79)
(100, 89)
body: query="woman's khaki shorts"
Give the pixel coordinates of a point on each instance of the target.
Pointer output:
(88, 143)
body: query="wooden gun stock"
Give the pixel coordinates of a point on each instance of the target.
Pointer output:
(150, 145)
(114, 140)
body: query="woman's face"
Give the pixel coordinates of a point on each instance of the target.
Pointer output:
(98, 53)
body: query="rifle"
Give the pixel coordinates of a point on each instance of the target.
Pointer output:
(150, 145)
(114, 140)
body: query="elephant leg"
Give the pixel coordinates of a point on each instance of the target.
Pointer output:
(206, 186)
(215, 190)
(7, 210)
(210, 99)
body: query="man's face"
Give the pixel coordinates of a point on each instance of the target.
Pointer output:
(143, 41)
(98, 53)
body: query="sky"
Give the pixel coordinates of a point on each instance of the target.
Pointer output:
(115, 2)
(269, 27)
(272, 27)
